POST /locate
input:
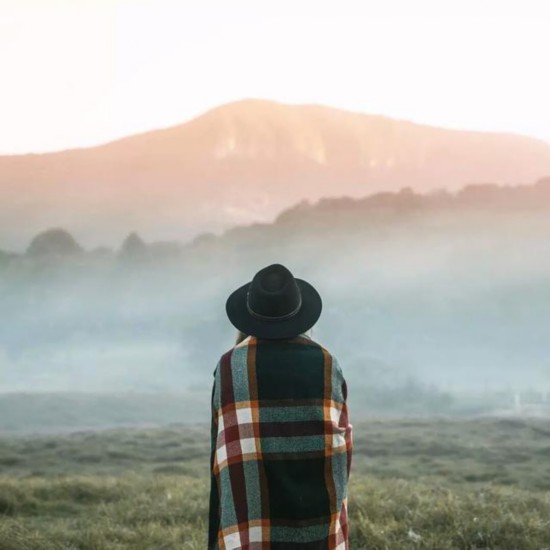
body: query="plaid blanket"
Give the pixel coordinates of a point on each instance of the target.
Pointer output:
(281, 448)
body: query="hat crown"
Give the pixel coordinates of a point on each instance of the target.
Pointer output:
(274, 294)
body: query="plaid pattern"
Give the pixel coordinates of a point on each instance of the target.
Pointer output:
(281, 448)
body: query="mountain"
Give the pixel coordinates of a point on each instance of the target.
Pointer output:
(244, 162)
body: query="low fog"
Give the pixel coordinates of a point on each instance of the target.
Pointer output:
(434, 304)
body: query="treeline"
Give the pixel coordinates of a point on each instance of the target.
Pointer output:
(378, 208)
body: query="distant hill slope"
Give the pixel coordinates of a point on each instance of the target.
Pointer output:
(243, 162)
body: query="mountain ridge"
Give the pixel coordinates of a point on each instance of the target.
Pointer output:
(247, 161)
(265, 102)
(342, 212)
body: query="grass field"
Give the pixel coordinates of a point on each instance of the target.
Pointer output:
(439, 484)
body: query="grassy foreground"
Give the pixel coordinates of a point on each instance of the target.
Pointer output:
(438, 484)
(164, 512)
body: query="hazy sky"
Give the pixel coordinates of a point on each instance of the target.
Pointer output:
(78, 72)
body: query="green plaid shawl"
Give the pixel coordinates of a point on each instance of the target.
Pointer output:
(281, 448)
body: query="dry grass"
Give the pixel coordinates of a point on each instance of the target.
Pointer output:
(415, 484)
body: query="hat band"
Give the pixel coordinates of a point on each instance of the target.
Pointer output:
(271, 317)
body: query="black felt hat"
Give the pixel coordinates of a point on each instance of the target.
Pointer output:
(274, 305)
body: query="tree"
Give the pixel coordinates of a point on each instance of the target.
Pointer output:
(133, 247)
(53, 242)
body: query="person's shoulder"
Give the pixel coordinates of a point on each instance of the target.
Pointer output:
(308, 341)
(248, 341)
(240, 348)
(302, 340)
(317, 349)
(317, 346)
(331, 356)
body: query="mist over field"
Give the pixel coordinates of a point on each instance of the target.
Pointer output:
(426, 298)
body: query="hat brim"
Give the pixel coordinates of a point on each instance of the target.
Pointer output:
(244, 321)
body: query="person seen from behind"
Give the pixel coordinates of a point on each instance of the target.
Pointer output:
(281, 442)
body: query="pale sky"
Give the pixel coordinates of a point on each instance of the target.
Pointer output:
(78, 72)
